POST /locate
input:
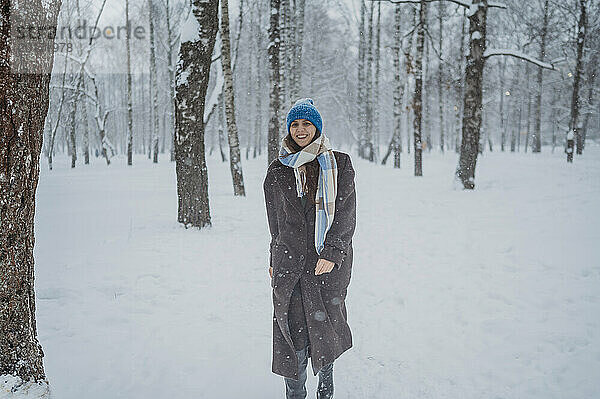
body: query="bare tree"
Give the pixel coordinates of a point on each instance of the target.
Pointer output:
(154, 81)
(24, 96)
(235, 160)
(417, 104)
(471, 125)
(396, 141)
(472, 101)
(367, 140)
(425, 95)
(536, 139)
(362, 89)
(221, 127)
(502, 67)
(129, 94)
(516, 109)
(441, 16)
(473, 95)
(461, 86)
(86, 135)
(100, 117)
(528, 130)
(258, 124)
(285, 49)
(574, 125)
(592, 74)
(77, 92)
(74, 97)
(275, 85)
(193, 68)
(376, 132)
(58, 116)
(299, 36)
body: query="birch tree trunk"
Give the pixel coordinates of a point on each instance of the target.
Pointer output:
(292, 49)
(410, 70)
(362, 114)
(235, 161)
(86, 130)
(417, 104)
(129, 94)
(193, 70)
(515, 84)
(221, 127)
(171, 69)
(58, 116)
(555, 98)
(528, 107)
(375, 155)
(368, 141)
(258, 98)
(25, 68)
(100, 118)
(154, 80)
(575, 132)
(520, 125)
(593, 71)
(275, 85)
(396, 140)
(73, 122)
(299, 34)
(425, 95)
(502, 65)
(536, 139)
(83, 104)
(284, 49)
(440, 81)
(458, 108)
(472, 108)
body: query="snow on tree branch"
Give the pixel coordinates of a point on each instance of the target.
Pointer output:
(518, 54)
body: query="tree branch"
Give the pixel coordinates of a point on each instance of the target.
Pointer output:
(518, 54)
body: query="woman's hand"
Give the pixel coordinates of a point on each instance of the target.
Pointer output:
(323, 266)
(271, 272)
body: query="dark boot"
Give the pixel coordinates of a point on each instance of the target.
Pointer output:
(296, 389)
(325, 388)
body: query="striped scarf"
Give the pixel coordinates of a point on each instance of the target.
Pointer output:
(327, 188)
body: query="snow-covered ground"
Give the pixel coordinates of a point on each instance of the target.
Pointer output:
(493, 293)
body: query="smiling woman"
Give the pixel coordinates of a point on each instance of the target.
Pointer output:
(311, 251)
(302, 131)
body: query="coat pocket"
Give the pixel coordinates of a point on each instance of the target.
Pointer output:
(337, 279)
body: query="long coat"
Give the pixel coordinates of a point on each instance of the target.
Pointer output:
(294, 258)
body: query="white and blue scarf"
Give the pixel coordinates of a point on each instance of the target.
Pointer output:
(327, 188)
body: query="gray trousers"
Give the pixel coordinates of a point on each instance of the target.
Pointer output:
(296, 389)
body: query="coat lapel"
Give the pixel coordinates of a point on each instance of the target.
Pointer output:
(287, 183)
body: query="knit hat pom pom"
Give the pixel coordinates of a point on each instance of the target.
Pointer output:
(304, 101)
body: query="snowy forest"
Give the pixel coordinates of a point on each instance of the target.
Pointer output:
(136, 135)
(390, 76)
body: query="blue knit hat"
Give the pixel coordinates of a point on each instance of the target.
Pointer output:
(305, 109)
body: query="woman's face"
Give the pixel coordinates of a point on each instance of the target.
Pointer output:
(302, 131)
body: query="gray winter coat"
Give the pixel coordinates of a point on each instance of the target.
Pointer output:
(294, 258)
